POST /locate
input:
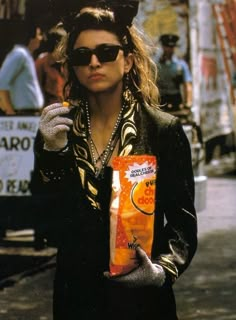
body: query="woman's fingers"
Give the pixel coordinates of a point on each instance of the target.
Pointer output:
(55, 110)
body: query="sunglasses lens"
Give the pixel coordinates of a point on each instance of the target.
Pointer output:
(107, 53)
(81, 57)
(104, 53)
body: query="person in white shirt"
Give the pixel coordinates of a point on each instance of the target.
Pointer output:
(20, 92)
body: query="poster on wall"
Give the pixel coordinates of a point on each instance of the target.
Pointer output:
(17, 136)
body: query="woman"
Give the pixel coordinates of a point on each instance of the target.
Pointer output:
(111, 86)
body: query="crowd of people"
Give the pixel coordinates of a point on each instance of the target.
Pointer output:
(31, 77)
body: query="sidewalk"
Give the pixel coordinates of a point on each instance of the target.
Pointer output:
(29, 299)
(206, 291)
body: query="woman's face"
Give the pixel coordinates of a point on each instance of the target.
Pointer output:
(99, 76)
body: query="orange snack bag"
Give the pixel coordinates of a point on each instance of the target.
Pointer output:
(131, 210)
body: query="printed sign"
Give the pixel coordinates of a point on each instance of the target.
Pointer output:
(17, 136)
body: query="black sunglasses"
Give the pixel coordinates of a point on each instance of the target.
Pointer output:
(104, 53)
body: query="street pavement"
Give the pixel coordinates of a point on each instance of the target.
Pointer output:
(206, 290)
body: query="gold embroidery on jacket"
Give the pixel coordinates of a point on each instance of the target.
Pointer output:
(81, 146)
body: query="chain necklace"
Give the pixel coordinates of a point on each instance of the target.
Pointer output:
(107, 152)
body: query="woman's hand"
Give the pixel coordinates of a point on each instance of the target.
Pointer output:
(54, 127)
(146, 274)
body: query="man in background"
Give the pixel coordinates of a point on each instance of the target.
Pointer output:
(20, 92)
(175, 80)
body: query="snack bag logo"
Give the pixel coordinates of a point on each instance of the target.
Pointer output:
(142, 176)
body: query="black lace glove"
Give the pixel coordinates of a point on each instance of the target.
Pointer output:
(146, 274)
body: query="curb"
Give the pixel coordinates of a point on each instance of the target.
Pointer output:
(14, 279)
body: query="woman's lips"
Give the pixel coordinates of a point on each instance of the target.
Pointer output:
(96, 76)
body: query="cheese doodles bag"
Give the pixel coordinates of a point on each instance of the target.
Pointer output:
(131, 210)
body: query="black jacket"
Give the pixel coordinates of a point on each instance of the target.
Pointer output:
(83, 233)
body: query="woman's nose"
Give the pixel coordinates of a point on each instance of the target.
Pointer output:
(94, 62)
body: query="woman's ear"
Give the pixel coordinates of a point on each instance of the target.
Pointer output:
(129, 60)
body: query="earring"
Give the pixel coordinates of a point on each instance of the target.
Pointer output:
(126, 81)
(127, 94)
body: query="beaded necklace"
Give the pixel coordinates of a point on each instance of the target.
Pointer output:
(104, 157)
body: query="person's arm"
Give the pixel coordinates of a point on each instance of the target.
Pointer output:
(187, 85)
(39, 70)
(9, 71)
(176, 244)
(53, 156)
(5, 102)
(187, 94)
(52, 169)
